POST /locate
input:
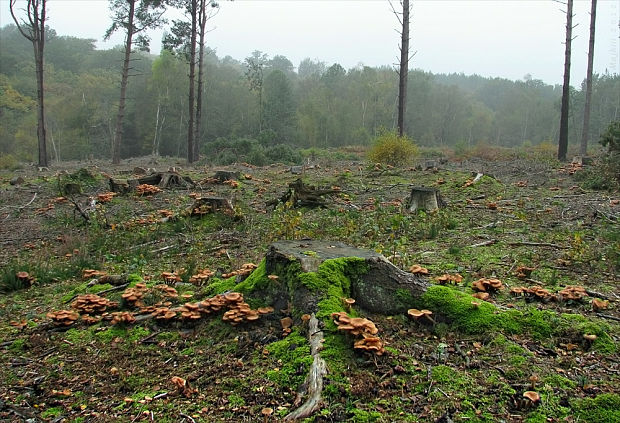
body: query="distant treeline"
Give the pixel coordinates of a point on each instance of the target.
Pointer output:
(311, 105)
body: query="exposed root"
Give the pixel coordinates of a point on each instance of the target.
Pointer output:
(313, 385)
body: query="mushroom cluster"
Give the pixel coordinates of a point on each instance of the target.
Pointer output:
(105, 197)
(484, 296)
(359, 326)
(420, 315)
(486, 285)
(598, 305)
(92, 303)
(245, 270)
(170, 278)
(167, 290)
(524, 272)
(25, 278)
(572, 293)
(134, 295)
(122, 317)
(534, 292)
(287, 324)
(92, 273)
(201, 277)
(449, 278)
(146, 189)
(416, 269)
(63, 317)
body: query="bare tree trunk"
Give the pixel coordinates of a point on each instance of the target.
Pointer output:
(192, 77)
(563, 139)
(585, 134)
(118, 131)
(154, 149)
(404, 69)
(202, 24)
(34, 31)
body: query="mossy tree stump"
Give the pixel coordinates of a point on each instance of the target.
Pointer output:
(423, 198)
(313, 277)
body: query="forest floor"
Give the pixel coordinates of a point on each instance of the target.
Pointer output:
(521, 213)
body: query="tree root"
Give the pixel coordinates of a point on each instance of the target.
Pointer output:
(313, 385)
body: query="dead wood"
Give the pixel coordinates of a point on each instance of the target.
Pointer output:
(537, 244)
(423, 198)
(164, 180)
(206, 205)
(302, 195)
(313, 385)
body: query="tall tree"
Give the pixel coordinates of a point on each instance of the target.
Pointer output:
(563, 139)
(585, 134)
(403, 71)
(134, 16)
(255, 65)
(33, 29)
(205, 6)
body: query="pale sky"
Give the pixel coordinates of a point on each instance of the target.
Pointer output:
(501, 38)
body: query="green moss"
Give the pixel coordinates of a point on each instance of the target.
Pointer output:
(99, 287)
(219, 286)
(51, 412)
(457, 307)
(106, 336)
(604, 408)
(18, 345)
(293, 358)
(256, 281)
(557, 381)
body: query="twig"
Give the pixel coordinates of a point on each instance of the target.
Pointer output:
(185, 416)
(537, 244)
(483, 244)
(148, 338)
(607, 316)
(597, 294)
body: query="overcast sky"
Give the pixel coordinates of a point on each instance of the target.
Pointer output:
(491, 38)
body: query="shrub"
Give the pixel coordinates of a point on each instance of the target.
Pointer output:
(8, 162)
(606, 175)
(392, 149)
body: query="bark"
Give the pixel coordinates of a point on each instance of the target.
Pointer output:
(164, 180)
(404, 69)
(34, 31)
(373, 289)
(313, 385)
(202, 24)
(118, 131)
(192, 89)
(427, 199)
(585, 134)
(302, 195)
(563, 139)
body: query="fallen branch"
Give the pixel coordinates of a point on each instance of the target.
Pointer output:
(313, 385)
(607, 316)
(483, 244)
(537, 244)
(598, 294)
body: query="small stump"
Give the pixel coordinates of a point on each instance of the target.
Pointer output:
(427, 199)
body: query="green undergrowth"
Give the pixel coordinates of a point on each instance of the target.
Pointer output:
(292, 354)
(468, 315)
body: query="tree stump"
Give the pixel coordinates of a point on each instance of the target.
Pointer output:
(375, 283)
(206, 205)
(161, 179)
(226, 175)
(427, 199)
(302, 195)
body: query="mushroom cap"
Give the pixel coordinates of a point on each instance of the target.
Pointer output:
(286, 322)
(272, 277)
(305, 317)
(233, 297)
(22, 275)
(532, 396)
(267, 411)
(481, 295)
(599, 304)
(265, 310)
(418, 269)
(414, 312)
(349, 301)
(589, 337)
